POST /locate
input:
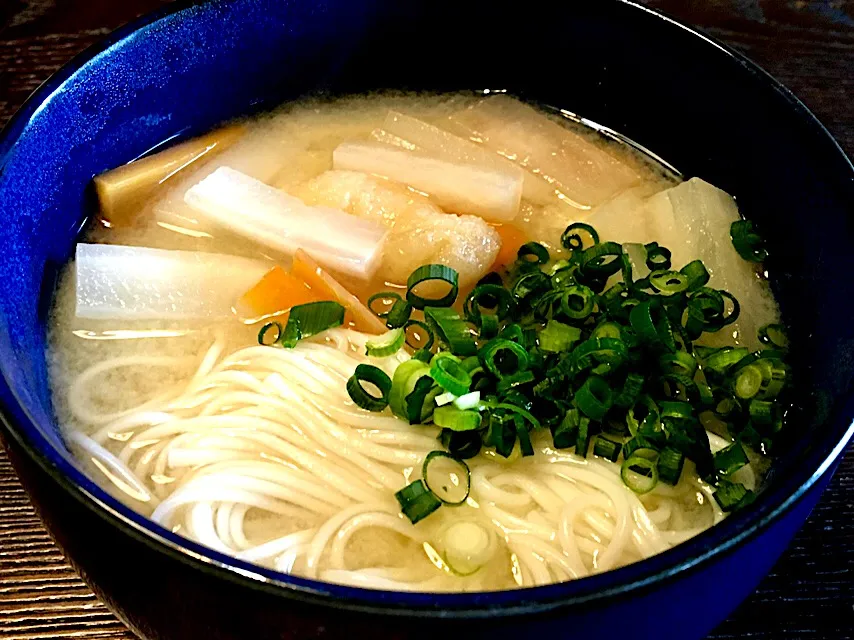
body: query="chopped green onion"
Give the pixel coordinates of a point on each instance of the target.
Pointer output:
(306, 320)
(487, 325)
(577, 302)
(639, 474)
(468, 401)
(732, 495)
(363, 398)
(670, 464)
(594, 398)
(444, 398)
(446, 370)
(747, 382)
(386, 344)
(399, 314)
(450, 417)
(524, 437)
(747, 242)
(417, 501)
(558, 336)
(668, 282)
(514, 380)
(573, 241)
(432, 273)
(447, 477)
(630, 392)
(501, 434)
(533, 252)
(488, 296)
(388, 298)
(419, 403)
(403, 383)
(462, 444)
(775, 335)
(565, 435)
(606, 448)
(657, 257)
(640, 446)
(503, 357)
(697, 274)
(422, 326)
(603, 259)
(424, 355)
(452, 330)
(730, 459)
(266, 329)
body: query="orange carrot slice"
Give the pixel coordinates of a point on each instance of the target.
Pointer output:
(327, 287)
(511, 239)
(275, 293)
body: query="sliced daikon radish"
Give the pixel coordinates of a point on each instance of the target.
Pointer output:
(281, 222)
(137, 283)
(461, 188)
(420, 232)
(384, 137)
(121, 191)
(581, 171)
(705, 214)
(257, 154)
(446, 146)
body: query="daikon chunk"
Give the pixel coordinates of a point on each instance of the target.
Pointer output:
(400, 129)
(281, 222)
(493, 194)
(585, 174)
(138, 283)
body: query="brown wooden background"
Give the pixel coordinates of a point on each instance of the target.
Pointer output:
(808, 44)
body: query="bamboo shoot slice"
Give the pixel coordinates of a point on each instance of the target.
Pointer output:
(122, 191)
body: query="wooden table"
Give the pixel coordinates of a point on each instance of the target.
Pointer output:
(808, 44)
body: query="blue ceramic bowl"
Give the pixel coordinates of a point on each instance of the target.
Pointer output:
(691, 100)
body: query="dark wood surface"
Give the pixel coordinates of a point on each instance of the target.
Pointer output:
(808, 44)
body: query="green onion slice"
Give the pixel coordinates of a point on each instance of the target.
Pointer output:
(386, 300)
(533, 252)
(731, 495)
(606, 448)
(669, 282)
(594, 398)
(447, 476)
(361, 396)
(670, 464)
(399, 314)
(417, 341)
(503, 357)
(449, 417)
(639, 474)
(451, 329)
(572, 240)
(557, 336)
(274, 328)
(432, 273)
(775, 335)
(417, 501)
(451, 376)
(730, 459)
(747, 242)
(386, 344)
(306, 320)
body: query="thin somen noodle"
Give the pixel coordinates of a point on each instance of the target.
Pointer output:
(271, 434)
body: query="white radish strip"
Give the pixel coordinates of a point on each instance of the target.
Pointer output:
(273, 218)
(138, 283)
(459, 188)
(581, 170)
(446, 146)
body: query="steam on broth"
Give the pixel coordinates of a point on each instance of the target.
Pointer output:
(603, 403)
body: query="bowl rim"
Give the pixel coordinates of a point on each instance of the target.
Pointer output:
(690, 556)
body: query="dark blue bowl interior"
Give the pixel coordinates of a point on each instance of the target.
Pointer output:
(696, 104)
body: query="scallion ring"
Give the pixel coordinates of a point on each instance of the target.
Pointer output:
(639, 474)
(266, 329)
(447, 476)
(432, 273)
(363, 398)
